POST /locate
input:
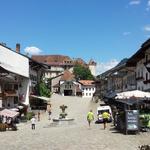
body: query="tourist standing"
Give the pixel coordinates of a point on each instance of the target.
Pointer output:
(90, 117)
(33, 121)
(4, 119)
(105, 116)
(49, 111)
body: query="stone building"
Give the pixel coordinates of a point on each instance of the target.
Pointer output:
(57, 64)
(87, 87)
(92, 67)
(14, 77)
(141, 61)
(67, 84)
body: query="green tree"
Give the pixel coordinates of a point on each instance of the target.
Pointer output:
(82, 73)
(43, 89)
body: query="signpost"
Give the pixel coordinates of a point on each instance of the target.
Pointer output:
(132, 120)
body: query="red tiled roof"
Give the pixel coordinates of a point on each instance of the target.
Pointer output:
(79, 61)
(53, 59)
(86, 82)
(67, 76)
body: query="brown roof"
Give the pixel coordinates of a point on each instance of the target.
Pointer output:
(140, 54)
(67, 76)
(79, 61)
(86, 82)
(53, 59)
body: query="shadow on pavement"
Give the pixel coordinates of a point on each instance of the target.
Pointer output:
(114, 130)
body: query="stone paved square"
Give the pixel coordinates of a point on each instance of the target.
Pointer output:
(75, 136)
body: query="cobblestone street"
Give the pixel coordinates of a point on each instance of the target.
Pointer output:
(75, 136)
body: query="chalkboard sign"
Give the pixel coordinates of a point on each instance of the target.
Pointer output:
(132, 120)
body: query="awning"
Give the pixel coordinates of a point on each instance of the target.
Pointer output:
(130, 101)
(14, 70)
(130, 94)
(15, 62)
(40, 97)
(9, 113)
(110, 95)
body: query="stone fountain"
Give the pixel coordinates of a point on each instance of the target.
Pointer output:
(63, 115)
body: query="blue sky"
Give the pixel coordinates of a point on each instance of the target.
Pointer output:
(104, 30)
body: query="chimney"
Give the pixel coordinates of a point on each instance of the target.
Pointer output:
(18, 48)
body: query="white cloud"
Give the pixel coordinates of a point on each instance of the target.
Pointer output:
(134, 2)
(126, 33)
(148, 5)
(104, 66)
(32, 50)
(147, 28)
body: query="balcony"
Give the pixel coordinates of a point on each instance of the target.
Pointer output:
(146, 62)
(56, 69)
(139, 78)
(1, 94)
(146, 81)
(10, 93)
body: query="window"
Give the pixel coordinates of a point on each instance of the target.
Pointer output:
(146, 76)
(138, 73)
(89, 89)
(141, 72)
(16, 87)
(142, 88)
(86, 94)
(89, 94)
(15, 100)
(86, 88)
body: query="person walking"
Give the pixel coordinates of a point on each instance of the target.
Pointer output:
(49, 110)
(33, 121)
(105, 116)
(90, 117)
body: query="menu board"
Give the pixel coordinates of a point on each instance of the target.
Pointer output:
(132, 120)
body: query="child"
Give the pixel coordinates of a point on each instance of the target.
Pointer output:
(33, 120)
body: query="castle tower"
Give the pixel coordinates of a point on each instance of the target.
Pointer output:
(92, 67)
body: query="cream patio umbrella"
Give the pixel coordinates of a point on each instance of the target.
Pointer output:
(135, 93)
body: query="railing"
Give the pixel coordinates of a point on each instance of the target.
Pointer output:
(56, 69)
(10, 93)
(139, 78)
(146, 62)
(146, 81)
